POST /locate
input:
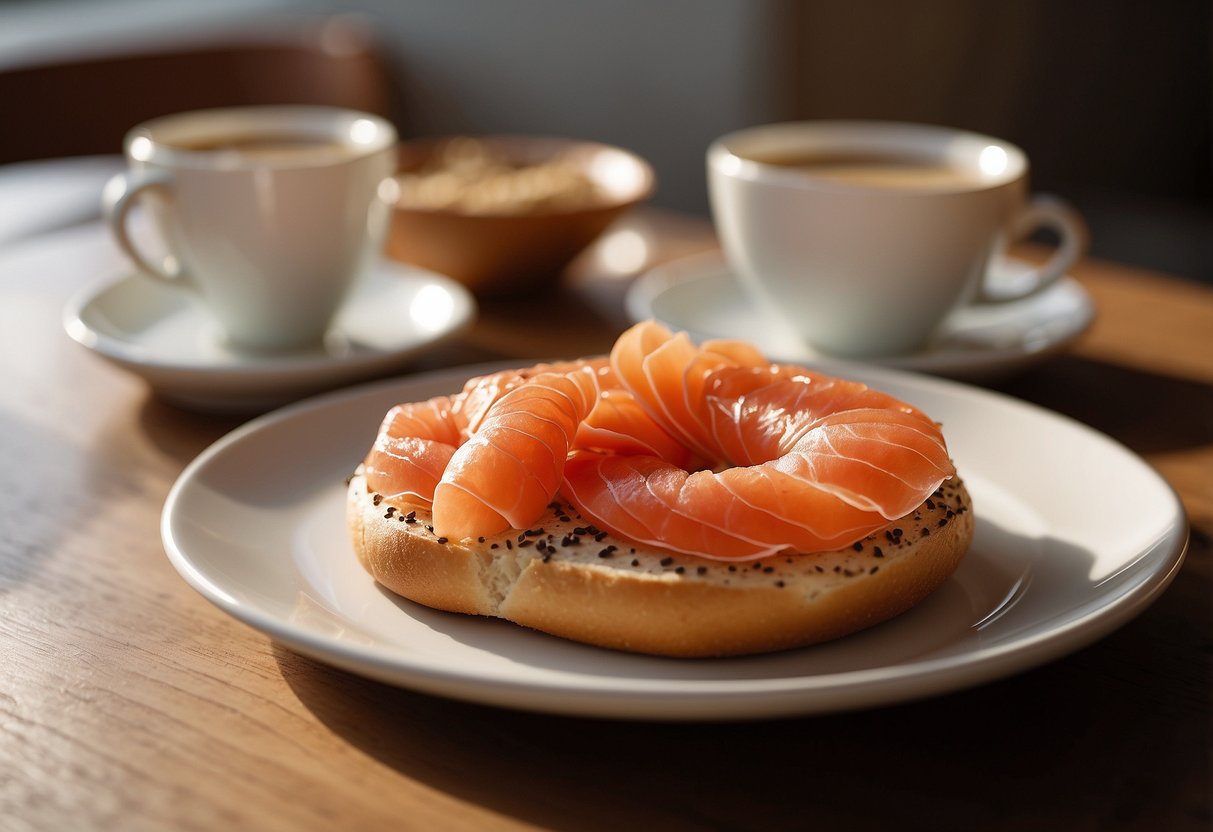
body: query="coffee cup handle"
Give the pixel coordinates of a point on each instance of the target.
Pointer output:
(119, 196)
(1053, 213)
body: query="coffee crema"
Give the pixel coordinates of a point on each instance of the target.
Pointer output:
(267, 148)
(872, 170)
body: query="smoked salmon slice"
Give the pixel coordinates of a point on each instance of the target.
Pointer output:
(847, 476)
(415, 443)
(704, 449)
(512, 465)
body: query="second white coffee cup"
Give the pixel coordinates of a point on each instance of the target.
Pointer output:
(269, 214)
(865, 236)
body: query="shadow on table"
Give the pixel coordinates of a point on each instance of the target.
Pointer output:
(1074, 744)
(183, 434)
(1149, 412)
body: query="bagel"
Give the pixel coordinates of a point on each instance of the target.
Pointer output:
(567, 578)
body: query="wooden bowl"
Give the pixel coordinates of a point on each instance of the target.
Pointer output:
(484, 229)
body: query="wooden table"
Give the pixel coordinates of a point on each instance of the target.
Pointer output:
(129, 702)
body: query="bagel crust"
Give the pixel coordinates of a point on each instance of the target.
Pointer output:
(569, 579)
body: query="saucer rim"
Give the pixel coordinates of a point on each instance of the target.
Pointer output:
(125, 351)
(950, 362)
(265, 382)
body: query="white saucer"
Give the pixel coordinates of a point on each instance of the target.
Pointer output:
(699, 294)
(165, 336)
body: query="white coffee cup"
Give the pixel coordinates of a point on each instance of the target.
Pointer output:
(269, 214)
(865, 236)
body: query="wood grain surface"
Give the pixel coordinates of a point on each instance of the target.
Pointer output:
(128, 702)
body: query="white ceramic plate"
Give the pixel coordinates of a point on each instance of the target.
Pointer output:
(700, 294)
(165, 336)
(1075, 536)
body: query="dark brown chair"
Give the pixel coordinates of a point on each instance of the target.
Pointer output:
(84, 106)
